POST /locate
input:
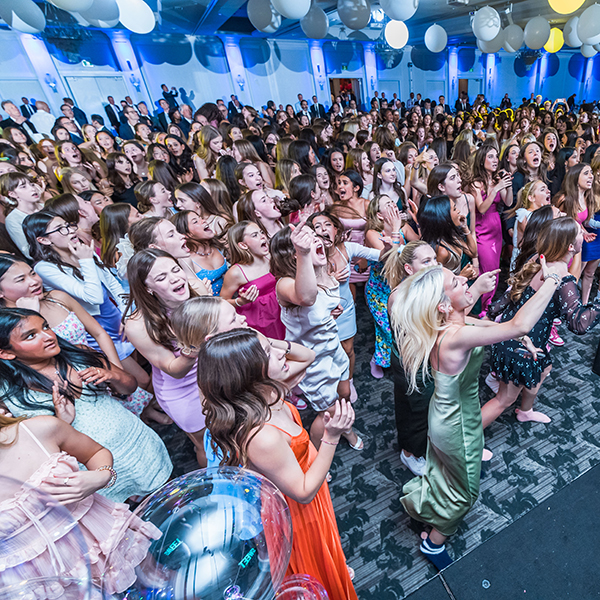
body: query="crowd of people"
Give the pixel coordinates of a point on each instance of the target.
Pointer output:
(202, 267)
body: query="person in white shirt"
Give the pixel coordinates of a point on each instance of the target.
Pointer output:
(22, 193)
(43, 120)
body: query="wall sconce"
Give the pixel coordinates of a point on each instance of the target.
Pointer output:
(51, 82)
(240, 81)
(372, 83)
(135, 81)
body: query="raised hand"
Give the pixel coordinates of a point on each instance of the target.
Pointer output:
(341, 421)
(81, 251)
(302, 238)
(29, 302)
(95, 375)
(487, 281)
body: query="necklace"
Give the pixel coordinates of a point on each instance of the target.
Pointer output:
(210, 251)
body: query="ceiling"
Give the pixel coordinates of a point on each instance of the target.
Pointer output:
(207, 17)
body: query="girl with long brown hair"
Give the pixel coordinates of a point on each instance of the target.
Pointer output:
(523, 372)
(269, 438)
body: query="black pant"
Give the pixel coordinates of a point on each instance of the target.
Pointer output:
(411, 410)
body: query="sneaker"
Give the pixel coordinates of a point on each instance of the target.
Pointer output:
(557, 322)
(376, 370)
(414, 464)
(555, 338)
(492, 382)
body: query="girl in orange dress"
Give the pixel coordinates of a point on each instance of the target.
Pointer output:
(251, 425)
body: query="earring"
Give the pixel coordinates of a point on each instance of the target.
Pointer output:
(150, 292)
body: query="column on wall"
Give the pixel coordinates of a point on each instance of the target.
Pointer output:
(132, 72)
(452, 92)
(45, 69)
(371, 73)
(490, 69)
(586, 84)
(236, 69)
(319, 73)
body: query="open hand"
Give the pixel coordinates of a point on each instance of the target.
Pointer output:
(64, 410)
(95, 375)
(81, 251)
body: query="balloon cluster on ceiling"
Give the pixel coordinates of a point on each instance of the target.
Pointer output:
(266, 15)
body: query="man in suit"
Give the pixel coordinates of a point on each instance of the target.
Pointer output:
(127, 129)
(303, 110)
(78, 114)
(113, 112)
(42, 119)
(98, 123)
(146, 117)
(16, 119)
(442, 103)
(68, 113)
(161, 115)
(462, 104)
(317, 111)
(27, 110)
(234, 106)
(170, 96)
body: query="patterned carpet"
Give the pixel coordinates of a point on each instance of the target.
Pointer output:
(530, 463)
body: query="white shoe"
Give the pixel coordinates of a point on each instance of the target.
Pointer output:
(492, 383)
(414, 464)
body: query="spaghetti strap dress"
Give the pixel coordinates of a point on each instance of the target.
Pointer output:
(488, 228)
(215, 276)
(450, 485)
(109, 530)
(316, 545)
(264, 314)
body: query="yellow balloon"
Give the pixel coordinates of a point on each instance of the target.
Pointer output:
(556, 41)
(565, 7)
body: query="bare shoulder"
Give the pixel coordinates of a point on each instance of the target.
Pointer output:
(266, 441)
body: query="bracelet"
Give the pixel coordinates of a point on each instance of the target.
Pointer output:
(289, 347)
(113, 476)
(329, 443)
(553, 276)
(236, 302)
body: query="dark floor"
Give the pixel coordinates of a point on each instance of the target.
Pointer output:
(531, 462)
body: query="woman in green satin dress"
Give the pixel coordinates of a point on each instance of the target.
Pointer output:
(430, 322)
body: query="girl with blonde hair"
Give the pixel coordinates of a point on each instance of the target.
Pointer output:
(430, 324)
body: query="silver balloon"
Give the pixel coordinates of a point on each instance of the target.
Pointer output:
(354, 14)
(291, 9)
(315, 23)
(436, 38)
(399, 10)
(537, 32)
(22, 15)
(588, 28)
(588, 51)
(493, 46)
(263, 16)
(226, 535)
(570, 33)
(486, 24)
(102, 13)
(513, 38)
(72, 5)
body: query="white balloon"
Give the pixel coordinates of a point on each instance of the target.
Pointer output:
(354, 14)
(436, 38)
(291, 9)
(72, 5)
(399, 10)
(513, 38)
(80, 19)
(103, 13)
(263, 16)
(486, 24)
(537, 32)
(22, 15)
(315, 23)
(597, 47)
(396, 34)
(588, 28)
(570, 33)
(588, 51)
(493, 46)
(136, 16)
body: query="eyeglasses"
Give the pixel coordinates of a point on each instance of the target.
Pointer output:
(63, 229)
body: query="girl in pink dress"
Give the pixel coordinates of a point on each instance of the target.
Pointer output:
(489, 191)
(250, 280)
(47, 451)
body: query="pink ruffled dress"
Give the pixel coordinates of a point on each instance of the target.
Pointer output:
(109, 530)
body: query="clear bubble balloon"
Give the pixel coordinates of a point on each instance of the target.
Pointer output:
(570, 33)
(354, 14)
(588, 28)
(399, 10)
(226, 535)
(513, 38)
(537, 32)
(436, 38)
(315, 23)
(486, 24)
(263, 16)
(301, 587)
(43, 553)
